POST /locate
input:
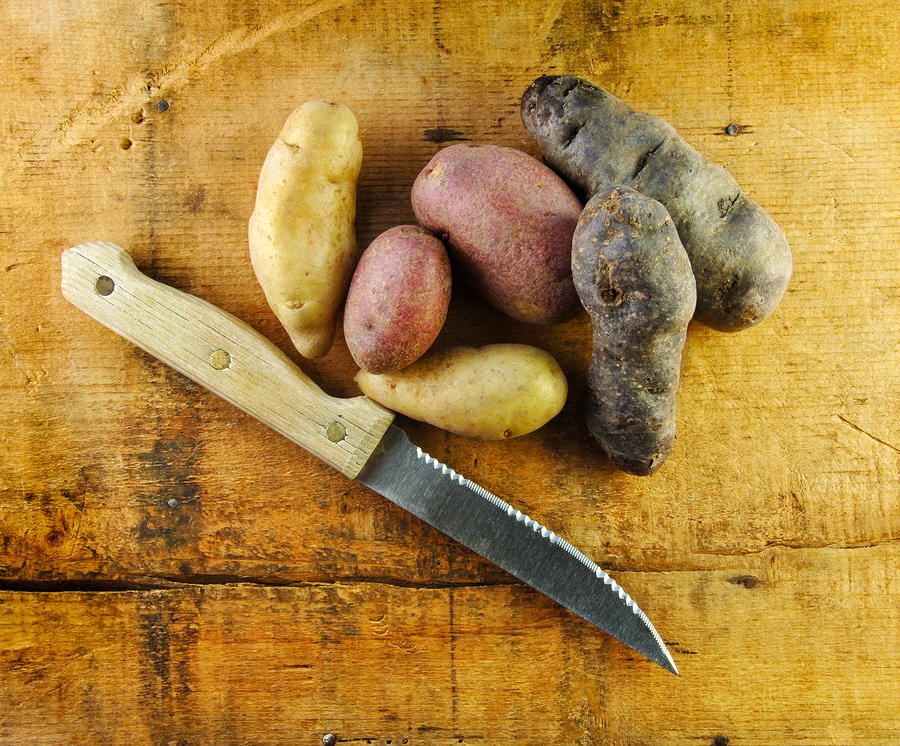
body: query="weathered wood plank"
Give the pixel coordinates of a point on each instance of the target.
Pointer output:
(773, 649)
(796, 380)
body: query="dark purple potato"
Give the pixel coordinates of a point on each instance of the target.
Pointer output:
(740, 257)
(634, 279)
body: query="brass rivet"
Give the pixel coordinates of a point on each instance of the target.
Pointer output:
(104, 285)
(336, 432)
(220, 359)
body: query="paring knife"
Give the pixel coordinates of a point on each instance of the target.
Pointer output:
(354, 435)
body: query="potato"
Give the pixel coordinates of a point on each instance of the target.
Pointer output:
(507, 221)
(634, 278)
(302, 234)
(492, 393)
(398, 299)
(740, 257)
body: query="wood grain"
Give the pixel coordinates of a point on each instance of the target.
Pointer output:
(173, 571)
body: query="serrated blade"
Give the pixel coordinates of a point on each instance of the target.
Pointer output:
(471, 515)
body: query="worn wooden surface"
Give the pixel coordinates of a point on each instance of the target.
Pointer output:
(278, 601)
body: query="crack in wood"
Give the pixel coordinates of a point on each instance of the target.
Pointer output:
(867, 434)
(84, 120)
(176, 582)
(161, 582)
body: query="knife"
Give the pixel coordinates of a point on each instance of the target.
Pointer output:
(354, 435)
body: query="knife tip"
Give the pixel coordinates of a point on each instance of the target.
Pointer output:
(665, 660)
(671, 667)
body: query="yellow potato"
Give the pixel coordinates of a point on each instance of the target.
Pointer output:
(302, 234)
(492, 393)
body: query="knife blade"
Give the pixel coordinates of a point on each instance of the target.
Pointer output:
(354, 435)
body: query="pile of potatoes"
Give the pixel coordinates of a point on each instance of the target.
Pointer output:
(622, 218)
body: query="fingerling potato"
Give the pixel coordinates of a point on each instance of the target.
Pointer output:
(495, 392)
(301, 233)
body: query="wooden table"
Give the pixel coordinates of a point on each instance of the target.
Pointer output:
(172, 571)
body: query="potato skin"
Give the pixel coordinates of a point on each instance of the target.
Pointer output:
(398, 299)
(740, 257)
(302, 235)
(507, 221)
(635, 281)
(495, 392)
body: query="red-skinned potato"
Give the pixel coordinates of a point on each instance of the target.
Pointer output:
(398, 298)
(507, 221)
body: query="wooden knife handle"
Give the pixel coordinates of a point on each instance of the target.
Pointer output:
(222, 353)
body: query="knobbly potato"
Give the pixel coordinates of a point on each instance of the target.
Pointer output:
(740, 257)
(495, 392)
(507, 221)
(634, 278)
(302, 234)
(398, 299)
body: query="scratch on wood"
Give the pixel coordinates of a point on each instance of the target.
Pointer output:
(84, 120)
(454, 701)
(379, 626)
(821, 141)
(770, 547)
(554, 11)
(868, 435)
(33, 379)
